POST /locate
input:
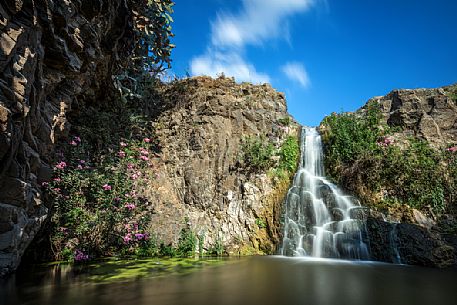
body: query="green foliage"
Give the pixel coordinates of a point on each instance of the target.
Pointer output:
(414, 175)
(187, 243)
(152, 28)
(289, 154)
(217, 249)
(360, 152)
(167, 251)
(257, 153)
(285, 121)
(452, 93)
(349, 135)
(152, 48)
(260, 223)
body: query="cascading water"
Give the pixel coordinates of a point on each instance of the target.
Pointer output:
(319, 220)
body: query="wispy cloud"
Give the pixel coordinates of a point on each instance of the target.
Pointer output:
(295, 71)
(214, 63)
(257, 22)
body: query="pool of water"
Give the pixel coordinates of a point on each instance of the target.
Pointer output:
(256, 280)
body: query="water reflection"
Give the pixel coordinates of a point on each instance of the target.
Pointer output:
(258, 280)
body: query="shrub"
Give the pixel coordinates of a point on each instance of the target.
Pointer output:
(361, 154)
(97, 210)
(289, 154)
(187, 243)
(285, 121)
(257, 153)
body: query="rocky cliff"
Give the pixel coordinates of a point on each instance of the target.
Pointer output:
(54, 57)
(202, 182)
(430, 114)
(397, 154)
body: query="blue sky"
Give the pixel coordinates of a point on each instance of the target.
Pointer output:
(326, 55)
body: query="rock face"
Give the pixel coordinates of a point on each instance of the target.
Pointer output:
(202, 184)
(54, 56)
(427, 113)
(408, 243)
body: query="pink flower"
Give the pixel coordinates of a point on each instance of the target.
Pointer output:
(134, 177)
(82, 161)
(139, 236)
(129, 165)
(384, 142)
(80, 166)
(127, 238)
(73, 143)
(77, 139)
(144, 158)
(44, 184)
(57, 189)
(107, 187)
(147, 140)
(129, 206)
(452, 149)
(60, 165)
(123, 144)
(57, 179)
(80, 256)
(121, 154)
(144, 152)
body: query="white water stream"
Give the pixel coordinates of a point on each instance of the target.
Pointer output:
(319, 220)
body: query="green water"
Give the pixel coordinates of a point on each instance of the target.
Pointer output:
(256, 280)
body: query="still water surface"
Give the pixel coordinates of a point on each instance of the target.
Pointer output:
(256, 280)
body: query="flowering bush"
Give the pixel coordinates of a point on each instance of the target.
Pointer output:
(97, 209)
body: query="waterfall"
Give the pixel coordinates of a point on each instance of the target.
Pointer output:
(319, 220)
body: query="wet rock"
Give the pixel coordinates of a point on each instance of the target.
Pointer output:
(412, 244)
(328, 196)
(337, 214)
(359, 213)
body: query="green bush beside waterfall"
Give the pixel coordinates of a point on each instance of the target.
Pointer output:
(260, 154)
(368, 158)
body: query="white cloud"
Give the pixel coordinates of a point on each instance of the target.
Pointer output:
(257, 22)
(296, 71)
(214, 63)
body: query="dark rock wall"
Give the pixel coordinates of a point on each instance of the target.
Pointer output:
(408, 243)
(55, 56)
